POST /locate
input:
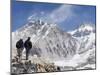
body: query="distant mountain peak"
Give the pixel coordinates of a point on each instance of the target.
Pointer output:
(86, 27)
(83, 30)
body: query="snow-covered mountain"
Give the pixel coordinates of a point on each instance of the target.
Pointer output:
(48, 40)
(74, 48)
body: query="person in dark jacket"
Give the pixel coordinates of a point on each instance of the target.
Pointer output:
(58, 68)
(28, 46)
(20, 47)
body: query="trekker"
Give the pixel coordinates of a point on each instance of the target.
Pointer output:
(20, 47)
(58, 68)
(28, 46)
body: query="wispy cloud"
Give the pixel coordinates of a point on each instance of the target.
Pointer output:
(38, 15)
(58, 15)
(62, 13)
(32, 16)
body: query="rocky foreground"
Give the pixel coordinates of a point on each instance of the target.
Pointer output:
(32, 66)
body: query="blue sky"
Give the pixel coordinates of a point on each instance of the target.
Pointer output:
(67, 17)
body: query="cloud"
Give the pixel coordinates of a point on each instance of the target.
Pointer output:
(32, 16)
(58, 15)
(42, 12)
(62, 13)
(36, 15)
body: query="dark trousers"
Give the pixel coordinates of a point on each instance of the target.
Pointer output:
(27, 53)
